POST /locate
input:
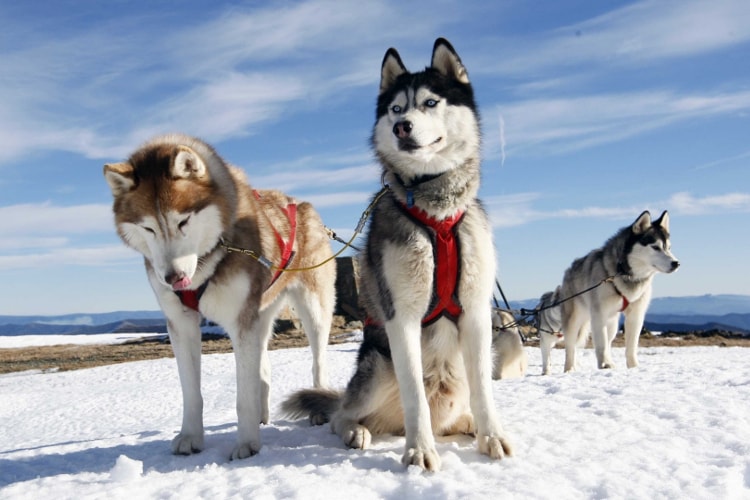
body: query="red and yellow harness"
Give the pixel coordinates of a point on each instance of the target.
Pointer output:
(191, 298)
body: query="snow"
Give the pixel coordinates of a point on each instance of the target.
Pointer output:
(677, 427)
(10, 341)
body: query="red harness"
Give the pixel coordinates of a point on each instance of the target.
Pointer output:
(446, 253)
(191, 298)
(625, 301)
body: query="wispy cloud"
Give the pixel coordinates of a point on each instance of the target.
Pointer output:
(641, 32)
(49, 235)
(518, 210)
(80, 256)
(688, 204)
(217, 77)
(558, 125)
(46, 219)
(316, 178)
(722, 161)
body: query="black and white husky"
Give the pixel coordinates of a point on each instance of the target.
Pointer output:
(631, 257)
(427, 275)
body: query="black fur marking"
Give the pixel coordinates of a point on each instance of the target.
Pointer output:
(450, 89)
(375, 340)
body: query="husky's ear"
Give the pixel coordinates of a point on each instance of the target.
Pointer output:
(663, 221)
(391, 69)
(187, 164)
(120, 177)
(642, 223)
(446, 61)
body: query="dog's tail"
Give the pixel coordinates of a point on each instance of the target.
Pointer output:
(316, 404)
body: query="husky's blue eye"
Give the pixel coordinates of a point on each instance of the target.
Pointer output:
(396, 108)
(430, 103)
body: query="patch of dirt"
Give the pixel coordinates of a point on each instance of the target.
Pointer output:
(74, 357)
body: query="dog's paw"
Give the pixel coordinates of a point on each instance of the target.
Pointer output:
(357, 436)
(318, 418)
(497, 447)
(187, 444)
(427, 459)
(606, 365)
(245, 450)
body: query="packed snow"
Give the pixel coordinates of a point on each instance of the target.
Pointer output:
(677, 427)
(9, 341)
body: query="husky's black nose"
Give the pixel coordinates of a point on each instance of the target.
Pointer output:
(402, 129)
(675, 265)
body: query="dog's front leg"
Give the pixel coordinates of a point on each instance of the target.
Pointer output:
(404, 338)
(475, 335)
(546, 343)
(600, 339)
(185, 337)
(253, 371)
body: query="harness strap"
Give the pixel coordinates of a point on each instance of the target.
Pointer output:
(625, 301)
(286, 247)
(446, 253)
(191, 298)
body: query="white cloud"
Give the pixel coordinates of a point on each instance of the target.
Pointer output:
(642, 32)
(554, 125)
(688, 204)
(47, 219)
(307, 179)
(69, 256)
(517, 210)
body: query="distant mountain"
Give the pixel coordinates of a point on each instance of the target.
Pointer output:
(81, 319)
(682, 314)
(723, 312)
(123, 326)
(713, 305)
(692, 321)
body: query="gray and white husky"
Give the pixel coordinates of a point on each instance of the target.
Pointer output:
(548, 326)
(427, 275)
(631, 257)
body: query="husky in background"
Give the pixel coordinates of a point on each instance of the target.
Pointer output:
(510, 360)
(548, 326)
(427, 275)
(630, 258)
(194, 218)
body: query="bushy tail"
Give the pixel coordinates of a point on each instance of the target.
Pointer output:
(316, 404)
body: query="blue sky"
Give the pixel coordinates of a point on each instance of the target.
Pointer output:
(591, 113)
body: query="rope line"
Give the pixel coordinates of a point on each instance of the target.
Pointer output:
(347, 244)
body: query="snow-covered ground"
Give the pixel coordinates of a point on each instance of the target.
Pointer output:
(9, 341)
(677, 427)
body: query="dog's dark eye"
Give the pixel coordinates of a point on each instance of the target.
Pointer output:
(181, 225)
(430, 103)
(149, 230)
(396, 108)
(656, 247)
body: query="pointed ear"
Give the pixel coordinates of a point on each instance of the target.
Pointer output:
(120, 177)
(446, 61)
(187, 164)
(663, 221)
(391, 69)
(642, 223)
